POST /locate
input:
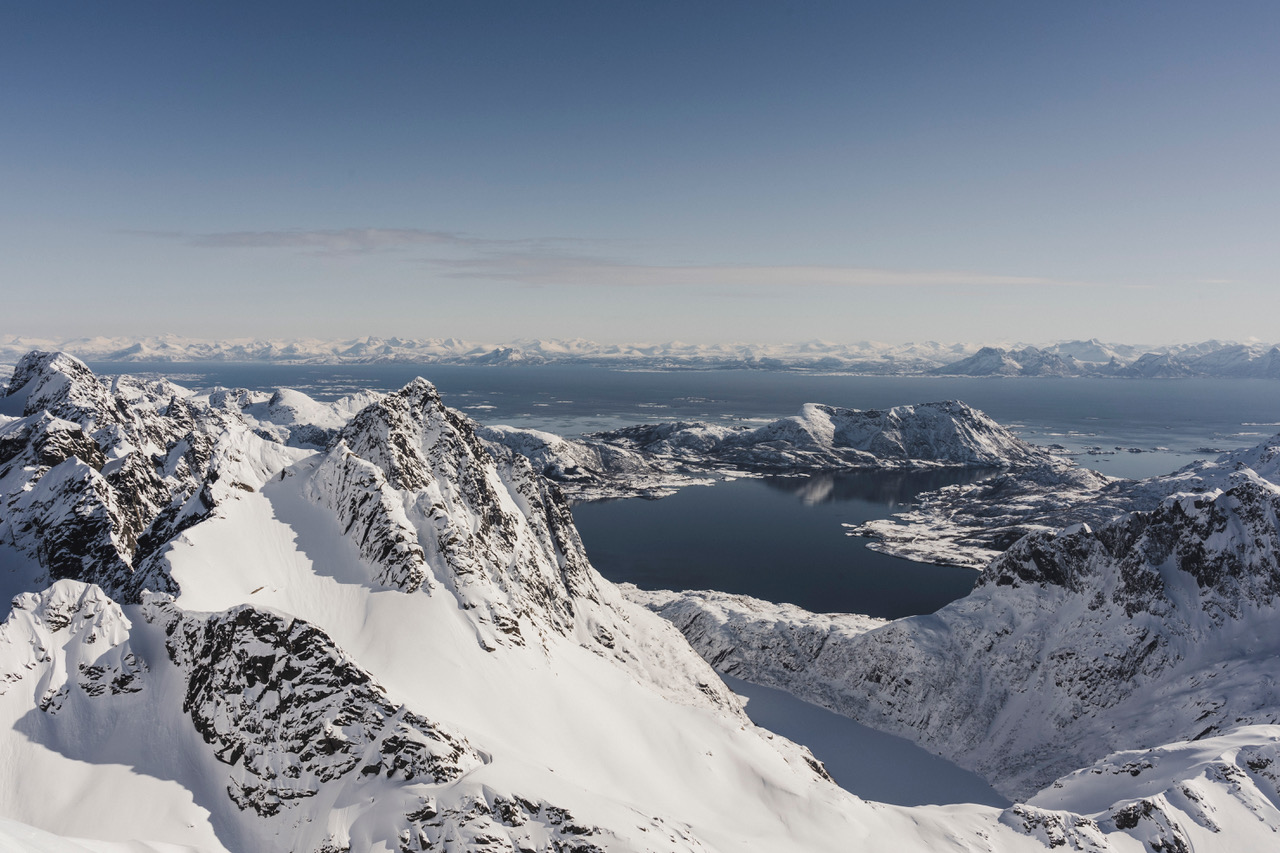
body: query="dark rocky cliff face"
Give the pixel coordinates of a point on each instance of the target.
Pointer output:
(288, 711)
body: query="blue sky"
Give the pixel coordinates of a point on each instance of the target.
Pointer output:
(642, 171)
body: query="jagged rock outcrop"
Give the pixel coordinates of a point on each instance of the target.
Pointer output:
(514, 822)
(373, 514)
(97, 476)
(428, 505)
(288, 711)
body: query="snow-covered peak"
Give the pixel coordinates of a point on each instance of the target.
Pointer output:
(100, 476)
(831, 437)
(65, 387)
(292, 417)
(407, 433)
(37, 370)
(68, 640)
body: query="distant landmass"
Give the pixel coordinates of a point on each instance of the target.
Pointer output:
(1064, 358)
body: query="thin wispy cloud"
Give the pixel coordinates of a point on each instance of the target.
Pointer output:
(543, 262)
(541, 269)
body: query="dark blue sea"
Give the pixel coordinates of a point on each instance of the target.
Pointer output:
(780, 538)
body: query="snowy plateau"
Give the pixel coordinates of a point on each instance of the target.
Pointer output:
(257, 622)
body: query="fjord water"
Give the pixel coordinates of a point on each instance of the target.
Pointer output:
(776, 538)
(872, 764)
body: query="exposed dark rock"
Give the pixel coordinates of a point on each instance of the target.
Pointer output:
(289, 711)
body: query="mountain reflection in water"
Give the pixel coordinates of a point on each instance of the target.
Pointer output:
(777, 538)
(889, 489)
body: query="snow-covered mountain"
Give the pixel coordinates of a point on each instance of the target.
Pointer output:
(867, 356)
(394, 642)
(1063, 358)
(1028, 361)
(1213, 358)
(653, 459)
(260, 623)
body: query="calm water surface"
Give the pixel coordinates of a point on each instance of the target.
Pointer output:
(776, 538)
(874, 765)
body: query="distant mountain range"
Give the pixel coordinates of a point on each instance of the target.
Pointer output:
(1065, 358)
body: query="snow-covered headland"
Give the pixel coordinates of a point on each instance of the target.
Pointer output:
(262, 623)
(970, 525)
(651, 460)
